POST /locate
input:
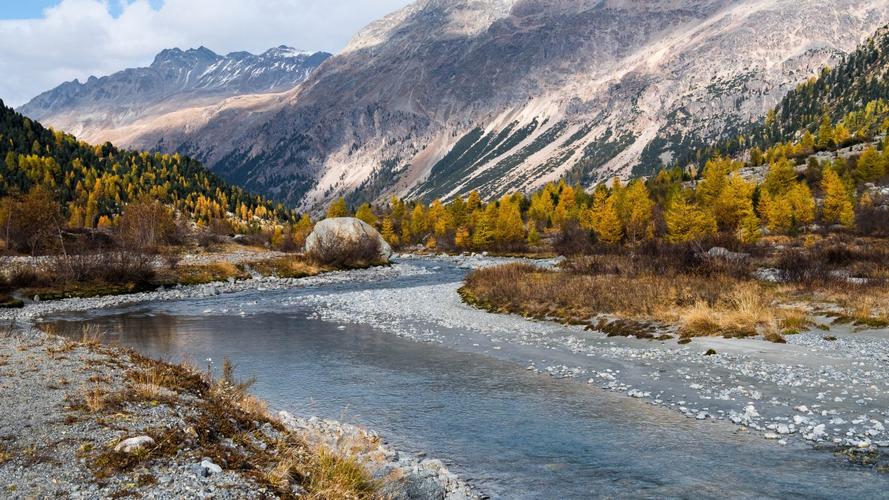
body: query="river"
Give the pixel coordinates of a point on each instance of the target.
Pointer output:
(510, 431)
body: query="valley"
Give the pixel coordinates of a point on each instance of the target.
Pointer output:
(483, 249)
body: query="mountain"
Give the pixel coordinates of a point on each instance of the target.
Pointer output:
(176, 79)
(95, 182)
(447, 96)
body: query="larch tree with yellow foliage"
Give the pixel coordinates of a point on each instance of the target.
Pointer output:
(688, 222)
(734, 202)
(636, 216)
(365, 212)
(838, 207)
(338, 209)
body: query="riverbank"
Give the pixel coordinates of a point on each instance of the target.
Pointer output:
(91, 398)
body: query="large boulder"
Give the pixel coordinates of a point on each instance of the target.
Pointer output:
(347, 240)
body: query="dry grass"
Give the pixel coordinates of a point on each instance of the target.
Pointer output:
(702, 305)
(331, 476)
(95, 399)
(794, 320)
(662, 284)
(222, 411)
(288, 267)
(91, 335)
(202, 274)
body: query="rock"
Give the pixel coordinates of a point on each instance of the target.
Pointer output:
(710, 352)
(133, 444)
(724, 253)
(330, 232)
(210, 468)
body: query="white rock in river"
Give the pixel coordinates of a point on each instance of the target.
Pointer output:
(345, 229)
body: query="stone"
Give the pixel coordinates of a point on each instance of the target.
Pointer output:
(346, 229)
(133, 444)
(210, 468)
(724, 253)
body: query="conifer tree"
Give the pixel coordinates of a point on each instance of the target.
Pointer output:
(780, 177)
(838, 208)
(606, 221)
(366, 213)
(637, 216)
(734, 202)
(388, 232)
(338, 209)
(688, 222)
(509, 227)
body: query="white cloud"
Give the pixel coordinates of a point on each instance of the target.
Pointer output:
(79, 38)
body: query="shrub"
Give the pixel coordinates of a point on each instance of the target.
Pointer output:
(144, 226)
(331, 250)
(109, 267)
(572, 240)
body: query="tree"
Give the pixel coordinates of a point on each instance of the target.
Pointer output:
(606, 221)
(486, 227)
(688, 222)
(34, 222)
(144, 226)
(734, 202)
(777, 212)
(637, 212)
(388, 233)
(533, 235)
(338, 209)
(542, 207)
(871, 166)
(302, 230)
(509, 228)
(825, 133)
(750, 229)
(838, 208)
(802, 203)
(781, 177)
(419, 221)
(474, 201)
(566, 208)
(365, 212)
(462, 238)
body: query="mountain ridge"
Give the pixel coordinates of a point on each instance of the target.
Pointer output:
(516, 93)
(175, 79)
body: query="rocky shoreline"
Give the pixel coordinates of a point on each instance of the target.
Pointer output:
(403, 476)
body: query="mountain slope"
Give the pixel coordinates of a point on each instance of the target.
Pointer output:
(176, 79)
(447, 96)
(92, 182)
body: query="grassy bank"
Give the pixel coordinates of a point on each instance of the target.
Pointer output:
(657, 289)
(101, 275)
(106, 395)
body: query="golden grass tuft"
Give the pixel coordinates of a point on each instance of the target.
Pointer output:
(95, 399)
(91, 335)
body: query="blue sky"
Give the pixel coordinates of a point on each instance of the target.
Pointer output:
(33, 9)
(48, 42)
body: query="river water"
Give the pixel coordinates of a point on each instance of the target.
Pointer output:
(511, 432)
